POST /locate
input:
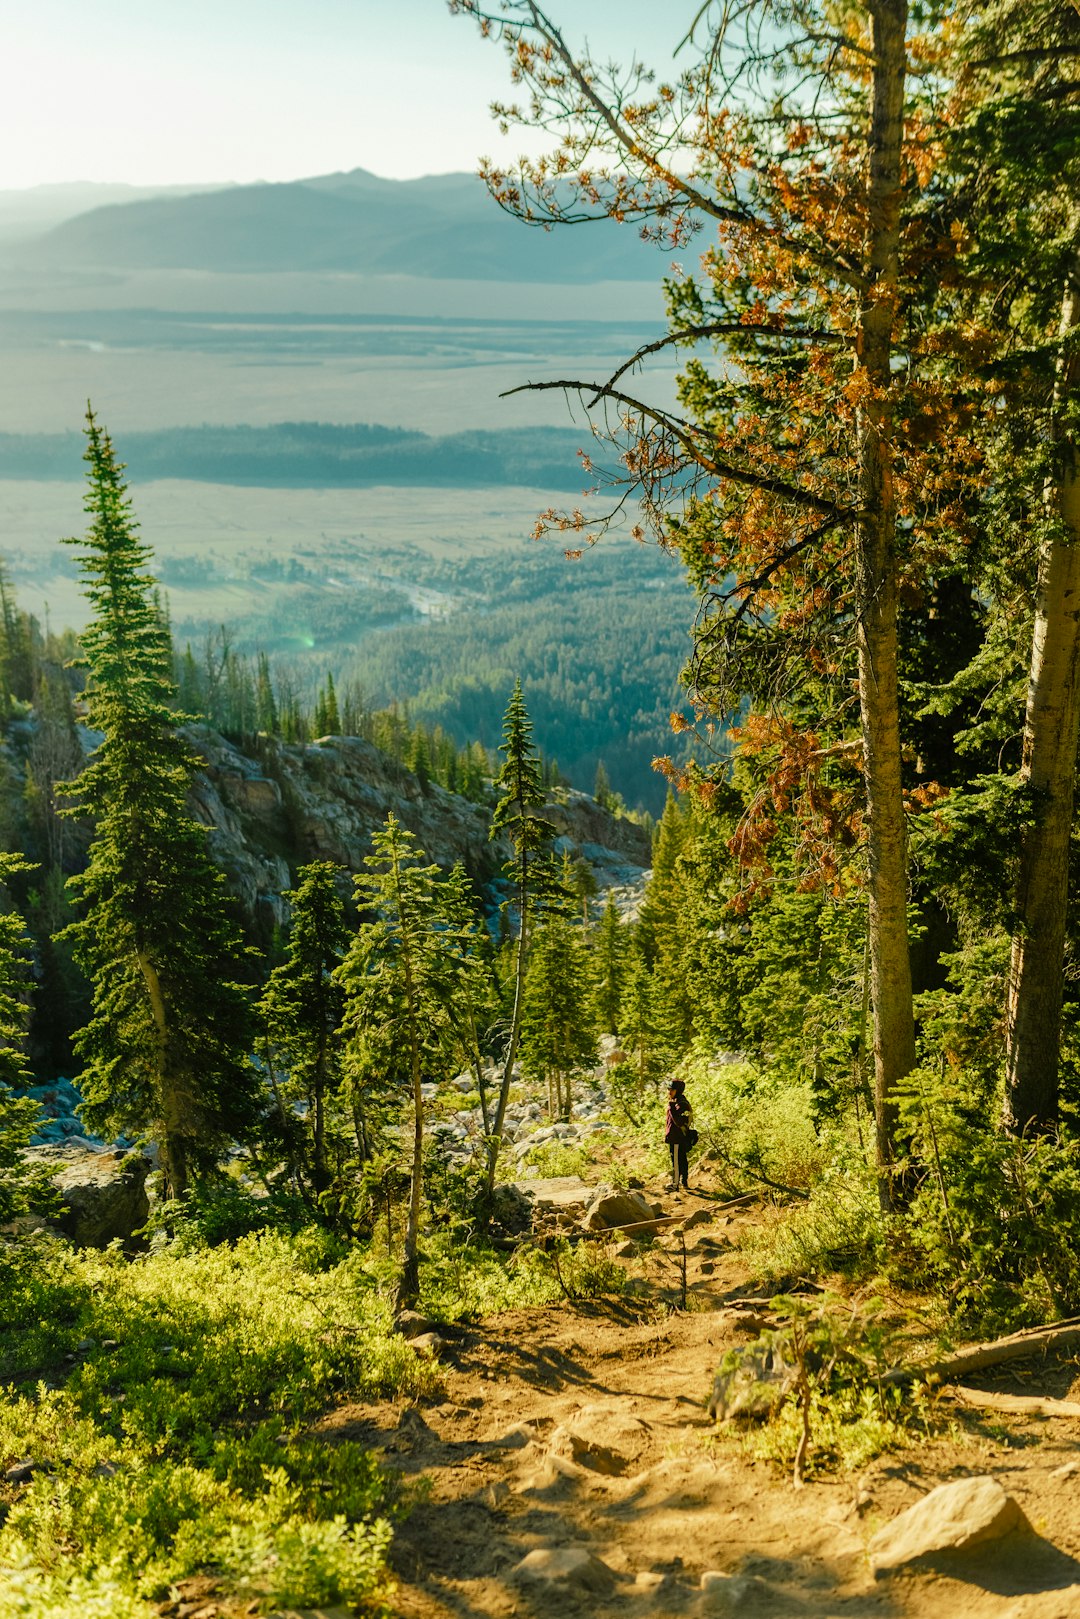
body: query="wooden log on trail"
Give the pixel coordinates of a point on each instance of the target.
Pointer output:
(978, 1357)
(1017, 1405)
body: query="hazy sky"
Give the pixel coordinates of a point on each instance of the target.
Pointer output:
(170, 91)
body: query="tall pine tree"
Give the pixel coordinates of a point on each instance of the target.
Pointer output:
(166, 1052)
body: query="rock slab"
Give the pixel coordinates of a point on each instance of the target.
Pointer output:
(953, 1517)
(608, 1210)
(103, 1194)
(569, 1567)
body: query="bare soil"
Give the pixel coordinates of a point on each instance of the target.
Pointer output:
(584, 1425)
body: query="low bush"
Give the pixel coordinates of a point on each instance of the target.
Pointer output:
(163, 1403)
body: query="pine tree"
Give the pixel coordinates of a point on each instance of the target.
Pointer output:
(302, 1007)
(609, 966)
(396, 978)
(266, 714)
(333, 719)
(166, 1050)
(529, 872)
(638, 1020)
(558, 1034)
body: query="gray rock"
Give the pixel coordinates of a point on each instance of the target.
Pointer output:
(411, 1324)
(568, 1567)
(953, 1518)
(608, 1209)
(754, 1388)
(103, 1200)
(23, 1472)
(602, 1440)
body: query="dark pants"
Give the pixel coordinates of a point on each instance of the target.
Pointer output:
(680, 1165)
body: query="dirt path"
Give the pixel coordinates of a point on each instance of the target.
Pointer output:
(583, 1426)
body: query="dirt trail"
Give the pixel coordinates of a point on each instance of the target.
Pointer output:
(582, 1425)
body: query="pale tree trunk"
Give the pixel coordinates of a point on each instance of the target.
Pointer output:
(172, 1093)
(495, 1138)
(890, 961)
(1048, 769)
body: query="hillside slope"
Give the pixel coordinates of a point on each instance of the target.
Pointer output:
(439, 226)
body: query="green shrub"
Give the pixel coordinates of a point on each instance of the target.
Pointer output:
(555, 1158)
(993, 1219)
(758, 1128)
(175, 1438)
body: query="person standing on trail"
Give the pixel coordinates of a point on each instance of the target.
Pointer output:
(679, 1133)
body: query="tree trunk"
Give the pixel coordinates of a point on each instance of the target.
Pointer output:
(1048, 769)
(890, 963)
(409, 1286)
(171, 1093)
(319, 1177)
(495, 1139)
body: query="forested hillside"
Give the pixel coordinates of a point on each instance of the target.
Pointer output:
(649, 1214)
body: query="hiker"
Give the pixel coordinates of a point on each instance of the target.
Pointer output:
(679, 1132)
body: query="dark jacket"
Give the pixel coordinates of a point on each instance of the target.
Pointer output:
(677, 1123)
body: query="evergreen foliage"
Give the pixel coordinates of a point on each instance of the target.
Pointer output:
(558, 1036)
(531, 873)
(302, 1008)
(165, 1053)
(397, 977)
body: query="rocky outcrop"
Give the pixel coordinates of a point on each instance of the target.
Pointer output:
(103, 1193)
(559, 1200)
(295, 803)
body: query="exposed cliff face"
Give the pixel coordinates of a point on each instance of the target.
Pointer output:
(321, 801)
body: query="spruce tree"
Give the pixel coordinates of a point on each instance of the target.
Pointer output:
(529, 872)
(558, 1034)
(165, 1053)
(610, 952)
(266, 715)
(302, 1007)
(22, 1188)
(395, 978)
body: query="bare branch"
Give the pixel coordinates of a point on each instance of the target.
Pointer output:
(683, 433)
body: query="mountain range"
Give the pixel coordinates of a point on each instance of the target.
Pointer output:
(440, 226)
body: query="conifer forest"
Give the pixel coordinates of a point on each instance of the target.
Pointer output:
(358, 1254)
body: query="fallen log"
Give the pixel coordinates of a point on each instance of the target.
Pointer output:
(979, 1356)
(1017, 1405)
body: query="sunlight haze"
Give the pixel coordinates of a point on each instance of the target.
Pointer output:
(260, 90)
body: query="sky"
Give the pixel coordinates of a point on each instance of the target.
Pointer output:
(173, 92)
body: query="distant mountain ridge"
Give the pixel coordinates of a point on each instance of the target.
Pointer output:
(440, 226)
(318, 455)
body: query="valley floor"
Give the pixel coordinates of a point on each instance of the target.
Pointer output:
(582, 1425)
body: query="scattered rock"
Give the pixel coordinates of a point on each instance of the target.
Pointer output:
(601, 1440)
(23, 1472)
(608, 1209)
(560, 1199)
(411, 1324)
(573, 1567)
(698, 1218)
(551, 1477)
(951, 1518)
(337, 1612)
(725, 1593)
(517, 1437)
(754, 1388)
(626, 1250)
(428, 1343)
(1067, 1470)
